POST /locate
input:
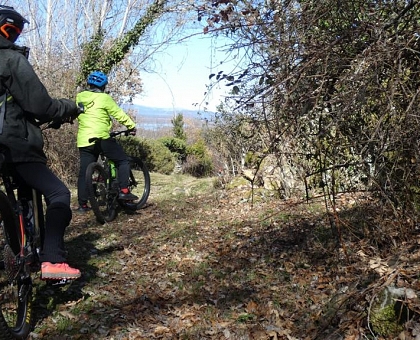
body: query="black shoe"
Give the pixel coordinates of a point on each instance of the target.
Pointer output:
(127, 197)
(83, 208)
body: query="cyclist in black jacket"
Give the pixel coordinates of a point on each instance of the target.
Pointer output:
(24, 105)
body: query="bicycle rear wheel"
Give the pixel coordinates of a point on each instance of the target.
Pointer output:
(139, 183)
(102, 203)
(15, 283)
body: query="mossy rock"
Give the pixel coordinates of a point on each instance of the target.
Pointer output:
(385, 322)
(238, 182)
(387, 316)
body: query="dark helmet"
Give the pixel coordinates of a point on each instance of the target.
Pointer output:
(98, 79)
(11, 23)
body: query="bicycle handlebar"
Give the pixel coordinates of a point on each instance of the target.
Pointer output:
(112, 134)
(123, 132)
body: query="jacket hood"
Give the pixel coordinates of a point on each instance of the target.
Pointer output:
(86, 95)
(94, 89)
(6, 44)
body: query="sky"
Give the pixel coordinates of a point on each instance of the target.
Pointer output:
(182, 73)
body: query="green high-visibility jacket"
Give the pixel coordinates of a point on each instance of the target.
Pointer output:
(96, 121)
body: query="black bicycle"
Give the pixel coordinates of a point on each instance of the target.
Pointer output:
(21, 237)
(103, 190)
(22, 231)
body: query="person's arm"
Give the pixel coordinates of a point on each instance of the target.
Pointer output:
(31, 95)
(120, 116)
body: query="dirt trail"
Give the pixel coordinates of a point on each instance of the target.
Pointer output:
(209, 266)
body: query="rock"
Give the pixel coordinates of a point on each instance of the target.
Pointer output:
(388, 314)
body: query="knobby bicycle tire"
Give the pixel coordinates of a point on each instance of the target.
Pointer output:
(139, 183)
(15, 287)
(102, 203)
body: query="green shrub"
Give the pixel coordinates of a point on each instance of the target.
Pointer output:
(176, 145)
(178, 127)
(137, 147)
(158, 158)
(198, 162)
(162, 160)
(197, 167)
(251, 158)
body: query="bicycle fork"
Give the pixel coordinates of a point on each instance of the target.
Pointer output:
(19, 264)
(13, 263)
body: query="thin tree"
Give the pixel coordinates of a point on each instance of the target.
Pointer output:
(178, 127)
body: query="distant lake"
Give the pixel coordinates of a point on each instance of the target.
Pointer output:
(150, 118)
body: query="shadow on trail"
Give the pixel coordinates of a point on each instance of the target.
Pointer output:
(48, 296)
(87, 252)
(245, 263)
(175, 266)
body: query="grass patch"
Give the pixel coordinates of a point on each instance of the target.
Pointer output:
(169, 188)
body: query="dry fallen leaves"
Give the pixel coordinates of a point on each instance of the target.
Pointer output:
(225, 270)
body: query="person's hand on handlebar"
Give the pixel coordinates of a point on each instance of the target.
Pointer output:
(68, 118)
(80, 108)
(132, 132)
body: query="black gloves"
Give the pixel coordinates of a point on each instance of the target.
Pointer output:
(68, 117)
(54, 125)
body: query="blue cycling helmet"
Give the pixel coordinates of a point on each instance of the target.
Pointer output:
(98, 79)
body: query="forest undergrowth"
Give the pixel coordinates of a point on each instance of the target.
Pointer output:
(206, 263)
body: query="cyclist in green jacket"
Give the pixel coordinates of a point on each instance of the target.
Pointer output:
(96, 121)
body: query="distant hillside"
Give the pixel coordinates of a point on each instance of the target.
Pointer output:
(154, 118)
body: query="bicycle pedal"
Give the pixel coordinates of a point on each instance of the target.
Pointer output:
(60, 282)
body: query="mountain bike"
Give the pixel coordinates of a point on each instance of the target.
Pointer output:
(103, 189)
(21, 238)
(20, 241)
(22, 230)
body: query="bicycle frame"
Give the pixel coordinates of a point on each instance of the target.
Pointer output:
(30, 240)
(111, 172)
(22, 234)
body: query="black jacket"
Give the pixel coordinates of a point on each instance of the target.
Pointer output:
(27, 106)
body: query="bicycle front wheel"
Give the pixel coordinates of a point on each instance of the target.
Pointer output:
(139, 183)
(15, 283)
(102, 203)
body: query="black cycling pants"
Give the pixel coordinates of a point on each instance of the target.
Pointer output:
(57, 198)
(89, 154)
(38, 176)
